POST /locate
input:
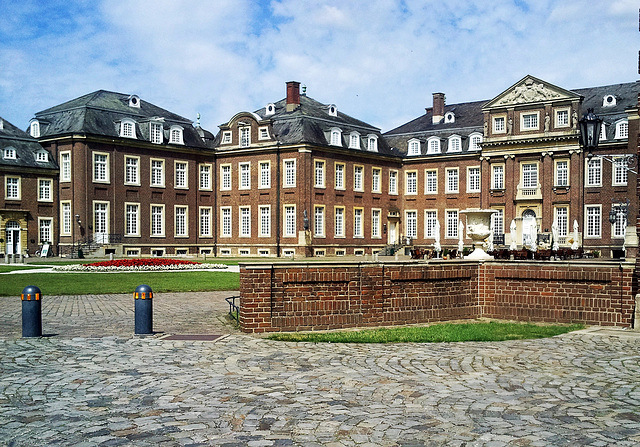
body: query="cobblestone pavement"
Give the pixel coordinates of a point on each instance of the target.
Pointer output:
(118, 389)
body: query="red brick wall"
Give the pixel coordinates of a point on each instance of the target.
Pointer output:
(332, 296)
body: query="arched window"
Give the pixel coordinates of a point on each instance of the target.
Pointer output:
(414, 147)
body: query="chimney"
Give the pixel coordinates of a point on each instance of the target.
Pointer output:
(438, 107)
(293, 95)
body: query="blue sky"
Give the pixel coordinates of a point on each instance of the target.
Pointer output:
(377, 60)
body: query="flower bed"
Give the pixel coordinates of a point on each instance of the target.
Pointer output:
(139, 264)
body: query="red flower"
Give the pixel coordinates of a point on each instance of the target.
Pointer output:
(138, 262)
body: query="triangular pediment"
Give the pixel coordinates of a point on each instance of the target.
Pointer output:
(530, 90)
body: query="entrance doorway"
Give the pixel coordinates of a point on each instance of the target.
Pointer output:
(528, 224)
(13, 237)
(392, 234)
(100, 223)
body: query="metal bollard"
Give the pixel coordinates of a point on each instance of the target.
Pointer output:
(143, 298)
(31, 312)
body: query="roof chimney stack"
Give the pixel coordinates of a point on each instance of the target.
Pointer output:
(438, 107)
(293, 95)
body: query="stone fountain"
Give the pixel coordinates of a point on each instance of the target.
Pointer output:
(478, 229)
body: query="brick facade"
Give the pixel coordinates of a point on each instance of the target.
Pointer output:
(346, 295)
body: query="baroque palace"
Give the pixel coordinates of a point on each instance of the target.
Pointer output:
(110, 173)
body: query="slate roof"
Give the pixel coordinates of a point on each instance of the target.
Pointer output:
(25, 146)
(99, 113)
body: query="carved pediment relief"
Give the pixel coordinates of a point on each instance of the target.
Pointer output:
(530, 90)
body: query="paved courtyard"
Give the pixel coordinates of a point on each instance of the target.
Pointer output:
(90, 382)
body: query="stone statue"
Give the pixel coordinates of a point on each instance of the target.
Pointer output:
(486, 128)
(547, 122)
(510, 126)
(574, 120)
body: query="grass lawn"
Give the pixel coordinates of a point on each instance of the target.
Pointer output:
(437, 333)
(11, 268)
(54, 284)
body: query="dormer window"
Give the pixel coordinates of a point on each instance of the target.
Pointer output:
(603, 132)
(333, 110)
(474, 142)
(622, 129)
(245, 136)
(455, 143)
(175, 135)
(155, 132)
(134, 101)
(34, 129)
(263, 133)
(336, 137)
(128, 128)
(354, 140)
(450, 117)
(42, 156)
(608, 101)
(270, 109)
(9, 153)
(433, 145)
(372, 143)
(414, 147)
(226, 137)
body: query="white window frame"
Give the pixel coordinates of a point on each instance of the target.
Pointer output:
(358, 178)
(65, 166)
(226, 137)
(474, 182)
(499, 124)
(413, 147)
(411, 223)
(104, 175)
(157, 171)
(527, 175)
(619, 172)
(226, 183)
(205, 221)
(339, 170)
(431, 181)
(562, 218)
(393, 182)
(204, 177)
(65, 218)
(433, 145)
(264, 229)
(45, 230)
(290, 176)
(319, 221)
(497, 176)
(411, 183)
(264, 167)
(244, 136)
(13, 192)
(10, 153)
(449, 177)
(529, 121)
(42, 156)
(153, 225)
(358, 222)
(430, 219)
(289, 221)
(354, 140)
(128, 223)
(181, 221)
(263, 133)
(244, 175)
(226, 222)
(376, 223)
(561, 169)
(45, 189)
(156, 132)
(319, 173)
(475, 140)
(128, 128)
(134, 170)
(593, 172)
(335, 137)
(339, 221)
(622, 130)
(244, 221)
(452, 219)
(455, 144)
(376, 180)
(176, 135)
(181, 174)
(593, 221)
(34, 129)
(619, 227)
(372, 143)
(562, 118)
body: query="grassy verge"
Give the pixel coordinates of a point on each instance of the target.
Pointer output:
(437, 333)
(53, 284)
(13, 268)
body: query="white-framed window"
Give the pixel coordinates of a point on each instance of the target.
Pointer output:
(12, 187)
(451, 224)
(226, 137)
(594, 172)
(65, 166)
(155, 132)
(319, 174)
(372, 143)
(42, 156)
(175, 135)
(430, 219)
(393, 182)
(433, 145)
(603, 132)
(562, 118)
(530, 121)
(339, 221)
(245, 136)
(497, 176)
(336, 137)
(9, 153)
(265, 220)
(431, 181)
(289, 226)
(65, 218)
(411, 182)
(529, 175)
(411, 223)
(205, 221)
(318, 221)
(452, 177)
(263, 133)
(413, 147)
(45, 190)
(131, 170)
(100, 167)
(475, 139)
(225, 221)
(265, 174)
(358, 223)
(473, 179)
(45, 232)
(157, 172)
(264, 252)
(319, 252)
(339, 176)
(376, 176)
(562, 219)
(225, 177)
(244, 252)
(181, 174)
(499, 124)
(157, 220)
(245, 221)
(358, 252)
(128, 128)
(376, 223)
(131, 219)
(619, 227)
(225, 252)
(205, 177)
(593, 224)
(244, 171)
(358, 180)
(34, 129)
(101, 220)
(497, 222)
(622, 130)
(354, 140)
(340, 252)
(562, 172)
(455, 143)
(619, 173)
(289, 173)
(180, 221)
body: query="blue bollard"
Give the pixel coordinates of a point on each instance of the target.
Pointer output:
(143, 298)
(31, 312)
